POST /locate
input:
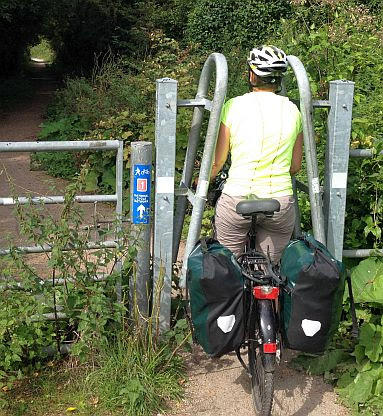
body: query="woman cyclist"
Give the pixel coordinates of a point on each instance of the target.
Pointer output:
(263, 133)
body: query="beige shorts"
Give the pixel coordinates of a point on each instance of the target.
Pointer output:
(273, 234)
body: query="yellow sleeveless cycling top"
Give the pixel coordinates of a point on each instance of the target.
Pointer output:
(263, 129)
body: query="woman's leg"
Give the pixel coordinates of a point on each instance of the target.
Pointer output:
(231, 228)
(274, 233)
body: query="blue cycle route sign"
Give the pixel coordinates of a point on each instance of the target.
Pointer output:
(141, 194)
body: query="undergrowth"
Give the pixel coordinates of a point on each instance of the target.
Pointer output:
(124, 366)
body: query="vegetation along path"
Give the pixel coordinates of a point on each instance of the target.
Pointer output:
(218, 387)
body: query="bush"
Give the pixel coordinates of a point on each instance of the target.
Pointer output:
(341, 45)
(128, 367)
(117, 103)
(221, 25)
(356, 366)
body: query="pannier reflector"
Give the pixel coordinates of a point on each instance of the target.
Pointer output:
(226, 323)
(266, 292)
(310, 328)
(269, 347)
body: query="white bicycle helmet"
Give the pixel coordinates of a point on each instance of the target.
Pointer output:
(267, 61)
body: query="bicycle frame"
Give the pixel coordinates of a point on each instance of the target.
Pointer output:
(263, 290)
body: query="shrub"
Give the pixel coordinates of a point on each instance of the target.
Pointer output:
(343, 47)
(128, 367)
(221, 25)
(117, 103)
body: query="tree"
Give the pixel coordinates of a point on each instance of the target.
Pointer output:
(20, 24)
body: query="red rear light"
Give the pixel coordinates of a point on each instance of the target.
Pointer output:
(270, 348)
(266, 292)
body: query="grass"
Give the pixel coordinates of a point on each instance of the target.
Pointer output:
(129, 377)
(50, 391)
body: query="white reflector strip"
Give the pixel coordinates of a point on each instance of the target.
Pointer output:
(310, 328)
(226, 323)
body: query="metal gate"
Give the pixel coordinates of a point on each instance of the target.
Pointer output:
(73, 146)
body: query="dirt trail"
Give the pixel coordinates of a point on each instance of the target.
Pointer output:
(215, 387)
(19, 126)
(23, 125)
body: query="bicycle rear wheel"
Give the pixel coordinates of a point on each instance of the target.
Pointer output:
(261, 368)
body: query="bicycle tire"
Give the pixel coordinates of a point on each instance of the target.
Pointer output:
(262, 381)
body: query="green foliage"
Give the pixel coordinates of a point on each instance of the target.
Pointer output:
(357, 367)
(22, 338)
(367, 280)
(42, 51)
(221, 25)
(131, 369)
(90, 305)
(364, 220)
(335, 40)
(118, 103)
(61, 164)
(20, 24)
(79, 31)
(135, 376)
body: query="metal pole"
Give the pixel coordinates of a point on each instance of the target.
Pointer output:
(306, 109)
(187, 174)
(297, 232)
(56, 199)
(166, 112)
(362, 252)
(140, 185)
(45, 248)
(337, 156)
(363, 153)
(68, 146)
(119, 237)
(218, 61)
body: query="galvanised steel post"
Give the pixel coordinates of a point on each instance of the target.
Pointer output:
(341, 96)
(218, 61)
(166, 112)
(119, 238)
(140, 210)
(306, 108)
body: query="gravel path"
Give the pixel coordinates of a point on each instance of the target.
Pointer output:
(221, 387)
(215, 387)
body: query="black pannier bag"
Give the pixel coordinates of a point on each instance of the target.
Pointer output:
(216, 290)
(311, 304)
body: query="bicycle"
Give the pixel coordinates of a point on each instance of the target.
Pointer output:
(262, 285)
(262, 288)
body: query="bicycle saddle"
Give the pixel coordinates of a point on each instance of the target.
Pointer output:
(258, 206)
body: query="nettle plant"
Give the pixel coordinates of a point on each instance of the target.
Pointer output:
(81, 286)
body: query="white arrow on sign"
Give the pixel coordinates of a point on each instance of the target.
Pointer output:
(141, 210)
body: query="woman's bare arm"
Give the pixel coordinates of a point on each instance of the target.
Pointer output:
(221, 150)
